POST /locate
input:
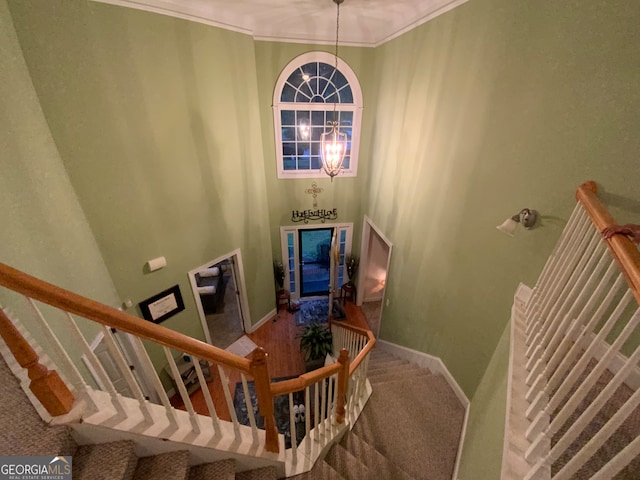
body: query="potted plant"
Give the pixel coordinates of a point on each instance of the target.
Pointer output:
(315, 341)
(351, 263)
(278, 274)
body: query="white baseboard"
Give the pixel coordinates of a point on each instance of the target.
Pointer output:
(262, 321)
(435, 364)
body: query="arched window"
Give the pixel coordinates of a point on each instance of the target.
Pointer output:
(309, 93)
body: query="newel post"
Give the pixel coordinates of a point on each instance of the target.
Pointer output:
(45, 384)
(262, 381)
(343, 384)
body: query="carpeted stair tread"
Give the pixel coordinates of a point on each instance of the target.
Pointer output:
(347, 465)
(164, 466)
(379, 352)
(428, 412)
(375, 366)
(405, 367)
(622, 436)
(105, 461)
(320, 471)
(264, 473)
(374, 460)
(221, 470)
(384, 358)
(23, 432)
(378, 355)
(399, 376)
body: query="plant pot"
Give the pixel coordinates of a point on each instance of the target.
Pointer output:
(311, 365)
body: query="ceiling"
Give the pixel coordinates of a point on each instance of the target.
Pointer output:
(364, 23)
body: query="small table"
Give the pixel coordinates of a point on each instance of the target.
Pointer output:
(283, 297)
(348, 290)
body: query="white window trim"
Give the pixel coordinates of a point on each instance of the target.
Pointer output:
(355, 107)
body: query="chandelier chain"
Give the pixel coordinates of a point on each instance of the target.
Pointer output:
(335, 100)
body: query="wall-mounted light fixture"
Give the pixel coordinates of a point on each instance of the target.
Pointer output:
(156, 264)
(526, 217)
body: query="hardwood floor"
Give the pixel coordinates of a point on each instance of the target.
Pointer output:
(277, 338)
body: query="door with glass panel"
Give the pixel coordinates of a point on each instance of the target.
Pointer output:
(306, 255)
(315, 265)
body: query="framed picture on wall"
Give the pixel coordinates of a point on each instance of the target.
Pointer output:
(162, 305)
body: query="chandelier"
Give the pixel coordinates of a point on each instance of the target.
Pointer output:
(334, 142)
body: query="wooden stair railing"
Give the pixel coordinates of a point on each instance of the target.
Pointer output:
(623, 249)
(45, 384)
(76, 304)
(578, 322)
(57, 399)
(371, 343)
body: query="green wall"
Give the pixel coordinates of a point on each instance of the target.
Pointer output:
(165, 130)
(157, 123)
(495, 106)
(45, 232)
(483, 442)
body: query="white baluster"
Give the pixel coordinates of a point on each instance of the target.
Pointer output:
(307, 416)
(316, 408)
(182, 389)
(70, 370)
(570, 289)
(592, 446)
(151, 373)
(566, 267)
(547, 286)
(292, 431)
(552, 262)
(621, 460)
(572, 404)
(227, 395)
(577, 370)
(573, 342)
(577, 296)
(323, 407)
(249, 406)
(125, 369)
(95, 363)
(581, 342)
(207, 395)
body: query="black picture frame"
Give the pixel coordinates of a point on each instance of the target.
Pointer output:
(163, 305)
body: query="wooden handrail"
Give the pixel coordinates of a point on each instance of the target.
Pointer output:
(363, 353)
(371, 342)
(68, 301)
(73, 303)
(623, 249)
(303, 381)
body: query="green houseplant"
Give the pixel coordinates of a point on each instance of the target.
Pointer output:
(351, 263)
(315, 341)
(278, 274)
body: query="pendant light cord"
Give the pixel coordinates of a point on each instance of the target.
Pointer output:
(335, 101)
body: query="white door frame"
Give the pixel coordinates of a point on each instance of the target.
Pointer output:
(235, 258)
(284, 230)
(131, 355)
(367, 227)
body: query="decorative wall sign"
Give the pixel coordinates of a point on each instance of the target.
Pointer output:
(314, 191)
(162, 305)
(319, 214)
